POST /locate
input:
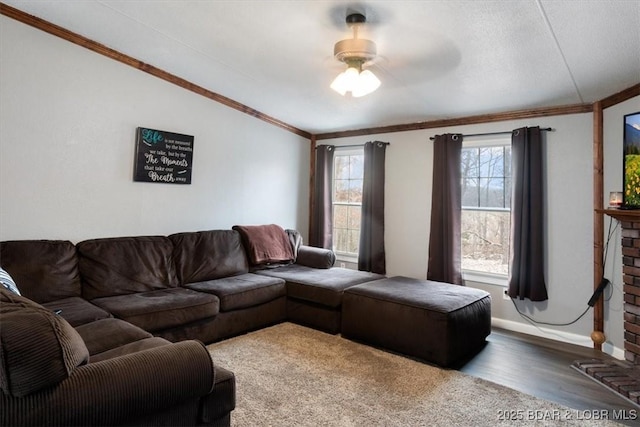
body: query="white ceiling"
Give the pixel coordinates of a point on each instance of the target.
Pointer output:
(439, 59)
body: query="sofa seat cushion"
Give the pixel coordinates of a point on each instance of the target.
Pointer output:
(77, 311)
(161, 309)
(242, 291)
(130, 348)
(321, 286)
(105, 334)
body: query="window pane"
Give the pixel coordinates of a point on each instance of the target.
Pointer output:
(354, 217)
(486, 179)
(356, 167)
(341, 239)
(491, 161)
(485, 241)
(469, 161)
(341, 167)
(341, 190)
(354, 241)
(340, 215)
(492, 192)
(355, 191)
(470, 192)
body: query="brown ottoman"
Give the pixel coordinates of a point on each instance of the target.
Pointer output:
(437, 322)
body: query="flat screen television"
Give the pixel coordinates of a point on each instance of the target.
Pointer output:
(631, 163)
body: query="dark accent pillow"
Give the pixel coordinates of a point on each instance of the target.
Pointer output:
(311, 256)
(39, 349)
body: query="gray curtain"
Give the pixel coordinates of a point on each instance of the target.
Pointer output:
(446, 210)
(321, 227)
(371, 255)
(527, 235)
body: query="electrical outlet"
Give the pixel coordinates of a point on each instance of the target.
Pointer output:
(343, 265)
(505, 295)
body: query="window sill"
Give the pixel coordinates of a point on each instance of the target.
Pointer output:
(346, 258)
(486, 278)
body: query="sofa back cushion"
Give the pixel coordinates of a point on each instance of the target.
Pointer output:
(126, 265)
(43, 270)
(38, 348)
(208, 255)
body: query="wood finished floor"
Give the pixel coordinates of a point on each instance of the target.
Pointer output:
(542, 368)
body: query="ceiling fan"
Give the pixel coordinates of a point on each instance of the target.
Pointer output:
(355, 53)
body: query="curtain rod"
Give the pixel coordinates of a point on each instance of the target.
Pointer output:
(495, 133)
(354, 145)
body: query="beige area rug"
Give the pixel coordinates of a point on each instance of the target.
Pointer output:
(289, 375)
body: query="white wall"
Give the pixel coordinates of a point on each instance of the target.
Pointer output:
(67, 139)
(568, 218)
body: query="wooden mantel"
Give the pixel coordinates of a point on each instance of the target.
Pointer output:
(625, 215)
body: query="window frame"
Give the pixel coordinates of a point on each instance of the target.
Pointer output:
(343, 151)
(497, 279)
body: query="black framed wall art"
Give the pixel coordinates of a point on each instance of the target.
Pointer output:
(163, 157)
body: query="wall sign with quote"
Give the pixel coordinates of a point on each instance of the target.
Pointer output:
(163, 157)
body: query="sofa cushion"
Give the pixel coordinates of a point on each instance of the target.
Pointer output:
(208, 255)
(126, 265)
(310, 256)
(105, 334)
(44, 270)
(157, 310)
(38, 348)
(245, 290)
(76, 311)
(321, 286)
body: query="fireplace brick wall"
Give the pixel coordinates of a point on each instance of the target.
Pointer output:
(631, 279)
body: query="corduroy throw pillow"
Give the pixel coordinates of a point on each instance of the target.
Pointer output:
(38, 348)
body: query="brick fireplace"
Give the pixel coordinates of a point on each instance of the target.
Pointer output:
(623, 377)
(631, 279)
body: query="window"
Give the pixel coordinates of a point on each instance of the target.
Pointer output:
(486, 213)
(348, 172)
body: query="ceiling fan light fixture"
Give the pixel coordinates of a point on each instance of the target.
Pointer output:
(355, 53)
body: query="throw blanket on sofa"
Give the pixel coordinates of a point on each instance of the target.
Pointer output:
(266, 244)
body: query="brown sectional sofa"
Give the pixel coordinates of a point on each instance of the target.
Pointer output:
(152, 301)
(122, 321)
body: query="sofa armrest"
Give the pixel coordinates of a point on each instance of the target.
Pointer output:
(311, 256)
(113, 391)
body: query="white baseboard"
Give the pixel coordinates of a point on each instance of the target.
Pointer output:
(556, 335)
